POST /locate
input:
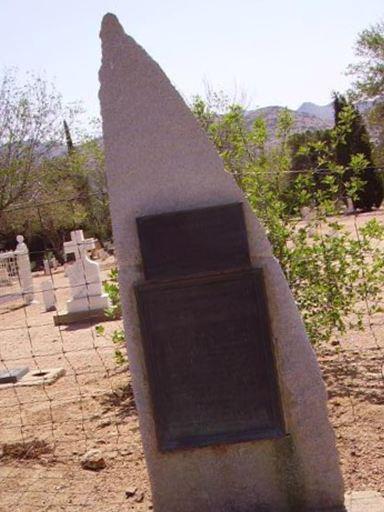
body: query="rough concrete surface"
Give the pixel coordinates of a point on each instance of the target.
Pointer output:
(364, 501)
(158, 159)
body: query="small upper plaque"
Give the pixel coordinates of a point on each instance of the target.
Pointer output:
(193, 242)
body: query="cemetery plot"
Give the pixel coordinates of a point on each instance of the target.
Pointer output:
(45, 431)
(15, 274)
(74, 444)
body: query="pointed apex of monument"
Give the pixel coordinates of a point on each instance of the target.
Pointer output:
(110, 23)
(151, 137)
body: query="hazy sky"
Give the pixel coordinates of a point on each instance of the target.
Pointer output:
(280, 52)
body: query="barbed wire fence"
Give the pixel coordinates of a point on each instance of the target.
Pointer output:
(46, 429)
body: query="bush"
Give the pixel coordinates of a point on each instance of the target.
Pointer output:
(333, 273)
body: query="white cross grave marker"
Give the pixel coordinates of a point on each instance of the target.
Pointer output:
(84, 276)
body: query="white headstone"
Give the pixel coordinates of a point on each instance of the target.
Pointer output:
(159, 160)
(48, 295)
(24, 270)
(84, 276)
(47, 268)
(349, 208)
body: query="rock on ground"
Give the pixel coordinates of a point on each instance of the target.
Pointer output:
(93, 460)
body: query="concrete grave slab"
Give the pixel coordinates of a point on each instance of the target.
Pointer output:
(159, 160)
(41, 377)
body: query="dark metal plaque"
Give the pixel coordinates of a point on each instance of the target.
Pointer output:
(209, 360)
(193, 242)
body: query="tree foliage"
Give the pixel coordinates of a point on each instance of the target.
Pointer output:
(356, 142)
(368, 73)
(344, 146)
(307, 160)
(329, 269)
(369, 70)
(30, 129)
(48, 184)
(332, 272)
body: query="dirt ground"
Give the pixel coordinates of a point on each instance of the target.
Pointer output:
(45, 430)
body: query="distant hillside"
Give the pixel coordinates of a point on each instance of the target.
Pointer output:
(308, 116)
(302, 120)
(324, 112)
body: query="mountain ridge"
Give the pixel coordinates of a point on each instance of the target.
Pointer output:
(302, 120)
(309, 116)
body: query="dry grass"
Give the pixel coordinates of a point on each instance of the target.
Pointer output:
(25, 450)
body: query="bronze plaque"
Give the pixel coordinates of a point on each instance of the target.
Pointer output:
(191, 242)
(209, 360)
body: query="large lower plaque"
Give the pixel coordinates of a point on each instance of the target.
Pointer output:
(209, 360)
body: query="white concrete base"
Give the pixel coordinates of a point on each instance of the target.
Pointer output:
(364, 501)
(94, 315)
(86, 304)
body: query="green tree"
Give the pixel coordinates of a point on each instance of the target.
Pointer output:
(332, 273)
(31, 116)
(86, 164)
(369, 70)
(306, 160)
(356, 142)
(328, 275)
(45, 190)
(368, 73)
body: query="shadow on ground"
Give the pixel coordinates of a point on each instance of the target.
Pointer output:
(121, 401)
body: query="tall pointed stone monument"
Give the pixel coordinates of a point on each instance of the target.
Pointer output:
(230, 398)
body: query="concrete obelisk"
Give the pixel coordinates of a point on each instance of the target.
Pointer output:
(159, 160)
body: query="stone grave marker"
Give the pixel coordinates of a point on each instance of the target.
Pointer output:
(49, 298)
(87, 297)
(231, 402)
(47, 267)
(24, 270)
